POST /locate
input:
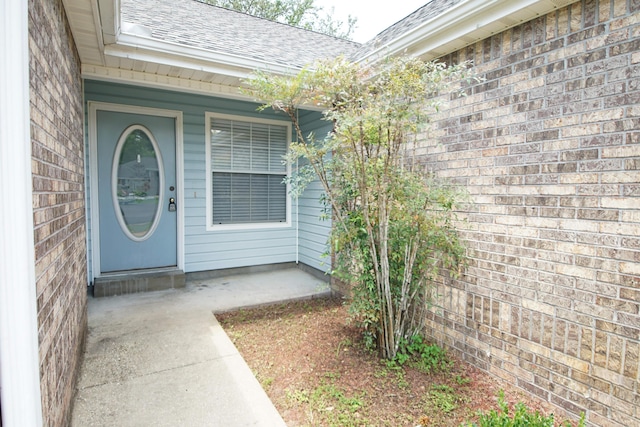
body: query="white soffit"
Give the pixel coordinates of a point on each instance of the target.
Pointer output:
(227, 88)
(464, 24)
(112, 50)
(84, 20)
(140, 59)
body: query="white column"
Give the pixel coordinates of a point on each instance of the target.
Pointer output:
(19, 362)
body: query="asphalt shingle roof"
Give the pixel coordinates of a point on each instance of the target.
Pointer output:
(423, 14)
(196, 24)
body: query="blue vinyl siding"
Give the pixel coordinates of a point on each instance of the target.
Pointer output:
(209, 250)
(313, 232)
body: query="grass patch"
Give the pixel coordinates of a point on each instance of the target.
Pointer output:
(329, 404)
(444, 398)
(317, 370)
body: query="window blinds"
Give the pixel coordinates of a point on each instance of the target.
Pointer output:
(247, 172)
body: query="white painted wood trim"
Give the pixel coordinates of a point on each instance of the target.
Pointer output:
(19, 358)
(462, 25)
(156, 81)
(94, 107)
(114, 183)
(209, 187)
(141, 48)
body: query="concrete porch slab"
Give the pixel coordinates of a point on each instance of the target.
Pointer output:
(161, 358)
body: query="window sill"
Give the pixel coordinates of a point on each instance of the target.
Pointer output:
(247, 227)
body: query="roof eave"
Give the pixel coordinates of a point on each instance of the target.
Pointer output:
(109, 40)
(109, 18)
(462, 25)
(147, 49)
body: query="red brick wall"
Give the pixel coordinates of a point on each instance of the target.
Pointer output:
(58, 204)
(549, 148)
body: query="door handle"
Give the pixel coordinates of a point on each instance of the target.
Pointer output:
(172, 204)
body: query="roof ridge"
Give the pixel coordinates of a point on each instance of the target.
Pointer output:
(197, 24)
(429, 10)
(279, 23)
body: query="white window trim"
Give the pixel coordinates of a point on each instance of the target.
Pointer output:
(209, 202)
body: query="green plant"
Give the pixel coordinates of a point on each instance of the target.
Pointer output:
(392, 229)
(444, 398)
(266, 382)
(369, 340)
(331, 396)
(381, 372)
(422, 356)
(398, 371)
(332, 403)
(299, 396)
(461, 379)
(332, 375)
(521, 417)
(401, 379)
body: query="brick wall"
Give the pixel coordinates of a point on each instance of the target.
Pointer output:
(549, 148)
(58, 204)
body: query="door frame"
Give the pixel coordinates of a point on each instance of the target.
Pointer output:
(94, 214)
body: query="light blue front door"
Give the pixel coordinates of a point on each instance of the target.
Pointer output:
(136, 191)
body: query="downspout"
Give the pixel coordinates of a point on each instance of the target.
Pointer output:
(19, 357)
(87, 189)
(297, 224)
(297, 207)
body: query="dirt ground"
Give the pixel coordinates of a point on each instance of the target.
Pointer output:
(317, 371)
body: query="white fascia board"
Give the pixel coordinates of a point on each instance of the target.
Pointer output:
(100, 36)
(463, 24)
(146, 49)
(109, 14)
(141, 78)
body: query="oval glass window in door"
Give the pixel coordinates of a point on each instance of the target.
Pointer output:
(137, 182)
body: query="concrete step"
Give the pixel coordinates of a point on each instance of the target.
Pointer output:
(138, 281)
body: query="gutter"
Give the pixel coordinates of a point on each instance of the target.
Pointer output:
(462, 25)
(132, 45)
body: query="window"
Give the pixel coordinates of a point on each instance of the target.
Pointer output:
(246, 171)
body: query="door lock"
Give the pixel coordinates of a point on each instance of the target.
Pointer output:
(172, 204)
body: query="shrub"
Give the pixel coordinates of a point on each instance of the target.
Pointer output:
(522, 417)
(393, 226)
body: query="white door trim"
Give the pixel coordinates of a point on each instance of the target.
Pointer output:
(94, 107)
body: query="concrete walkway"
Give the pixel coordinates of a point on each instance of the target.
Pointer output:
(162, 359)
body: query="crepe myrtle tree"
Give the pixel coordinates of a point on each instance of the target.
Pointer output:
(393, 224)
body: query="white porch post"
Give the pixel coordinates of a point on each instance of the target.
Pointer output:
(19, 366)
